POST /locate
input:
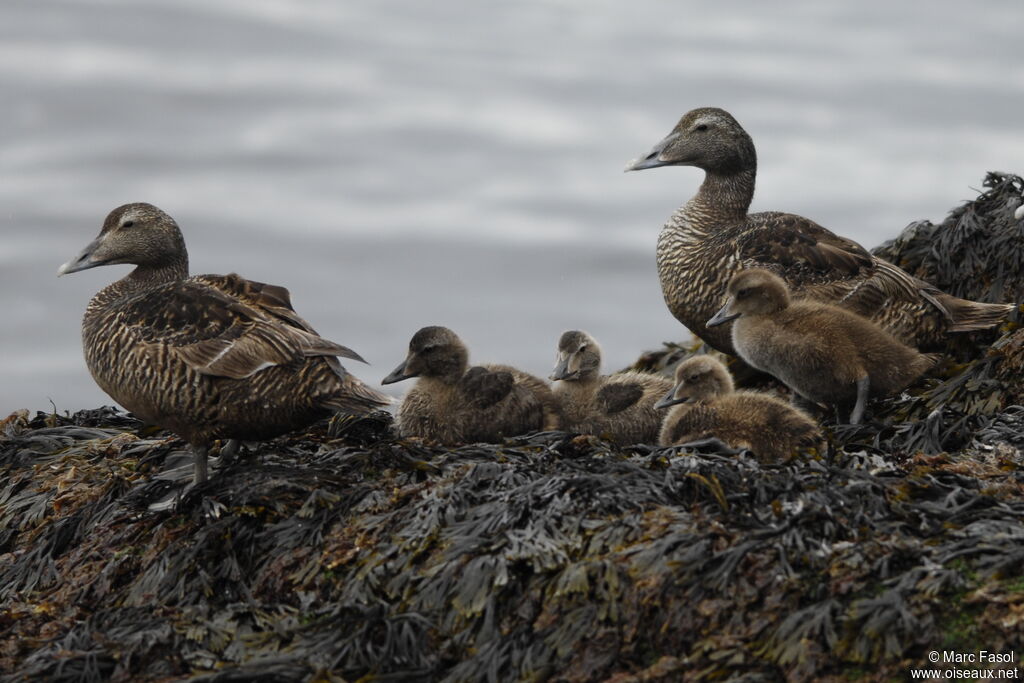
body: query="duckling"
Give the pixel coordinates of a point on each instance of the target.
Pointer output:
(824, 353)
(706, 405)
(453, 403)
(209, 356)
(619, 406)
(711, 237)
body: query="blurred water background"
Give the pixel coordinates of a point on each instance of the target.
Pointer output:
(397, 163)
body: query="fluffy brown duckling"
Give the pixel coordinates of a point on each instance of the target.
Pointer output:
(824, 353)
(706, 405)
(619, 407)
(453, 403)
(209, 356)
(711, 237)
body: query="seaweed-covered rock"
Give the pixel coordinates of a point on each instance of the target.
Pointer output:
(343, 553)
(548, 557)
(976, 252)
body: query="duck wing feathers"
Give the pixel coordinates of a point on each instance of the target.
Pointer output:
(485, 388)
(810, 256)
(273, 300)
(218, 334)
(795, 242)
(618, 396)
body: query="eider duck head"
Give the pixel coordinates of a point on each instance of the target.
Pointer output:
(752, 292)
(708, 138)
(433, 352)
(698, 379)
(139, 234)
(579, 357)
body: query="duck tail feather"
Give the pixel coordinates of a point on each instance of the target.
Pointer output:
(358, 399)
(968, 316)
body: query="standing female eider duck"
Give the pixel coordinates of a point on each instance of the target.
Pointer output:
(711, 408)
(619, 407)
(453, 403)
(824, 353)
(712, 237)
(208, 356)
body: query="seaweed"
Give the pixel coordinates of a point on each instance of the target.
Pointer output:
(975, 252)
(547, 555)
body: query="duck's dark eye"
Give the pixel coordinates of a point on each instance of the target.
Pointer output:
(693, 378)
(742, 293)
(127, 224)
(701, 128)
(582, 348)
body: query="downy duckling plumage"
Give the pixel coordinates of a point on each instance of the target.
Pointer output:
(824, 353)
(711, 237)
(704, 404)
(209, 356)
(454, 403)
(619, 407)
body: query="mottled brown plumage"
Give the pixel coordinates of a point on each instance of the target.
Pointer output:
(712, 237)
(824, 353)
(705, 405)
(618, 407)
(453, 403)
(209, 356)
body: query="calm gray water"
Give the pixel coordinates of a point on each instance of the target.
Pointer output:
(398, 163)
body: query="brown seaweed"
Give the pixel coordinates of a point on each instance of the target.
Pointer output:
(551, 555)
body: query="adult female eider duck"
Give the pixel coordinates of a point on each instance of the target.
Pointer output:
(453, 403)
(619, 407)
(208, 356)
(706, 405)
(824, 353)
(712, 236)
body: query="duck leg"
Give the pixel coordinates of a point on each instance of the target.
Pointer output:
(200, 475)
(177, 488)
(863, 385)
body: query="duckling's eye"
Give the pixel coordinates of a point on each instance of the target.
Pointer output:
(127, 224)
(693, 378)
(742, 293)
(582, 348)
(701, 127)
